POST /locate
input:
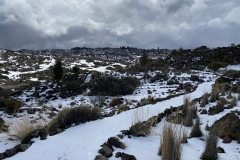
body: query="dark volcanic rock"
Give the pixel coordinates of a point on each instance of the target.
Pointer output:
(228, 127)
(106, 151)
(114, 141)
(100, 157)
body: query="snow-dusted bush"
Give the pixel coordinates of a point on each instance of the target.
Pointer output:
(111, 86)
(68, 116)
(170, 144)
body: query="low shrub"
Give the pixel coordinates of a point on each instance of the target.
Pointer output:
(195, 78)
(160, 77)
(10, 106)
(216, 65)
(116, 101)
(232, 74)
(68, 116)
(42, 133)
(140, 129)
(111, 86)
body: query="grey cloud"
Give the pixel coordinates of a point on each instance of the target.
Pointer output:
(146, 24)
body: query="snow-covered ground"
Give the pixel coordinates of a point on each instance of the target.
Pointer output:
(233, 67)
(83, 141)
(42, 67)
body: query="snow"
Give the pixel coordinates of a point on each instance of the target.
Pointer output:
(83, 141)
(42, 67)
(234, 67)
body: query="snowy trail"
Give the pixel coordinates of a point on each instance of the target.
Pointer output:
(83, 142)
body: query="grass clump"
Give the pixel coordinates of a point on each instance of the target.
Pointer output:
(233, 102)
(42, 133)
(191, 114)
(75, 115)
(24, 127)
(139, 126)
(140, 129)
(10, 106)
(210, 152)
(229, 95)
(214, 94)
(204, 101)
(170, 144)
(196, 130)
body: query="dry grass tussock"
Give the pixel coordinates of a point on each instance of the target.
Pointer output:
(210, 152)
(22, 127)
(141, 127)
(171, 142)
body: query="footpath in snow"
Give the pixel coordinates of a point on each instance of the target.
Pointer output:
(82, 142)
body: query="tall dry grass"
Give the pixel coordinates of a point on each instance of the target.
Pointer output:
(210, 152)
(22, 127)
(170, 144)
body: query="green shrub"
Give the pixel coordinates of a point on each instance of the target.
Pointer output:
(58, 71)
(42, 133)
(216, 65)
(116, 101)
(68, 116)
(194, 78)
(72, 87)
(159, 76)
(111, 86)
(232, 74)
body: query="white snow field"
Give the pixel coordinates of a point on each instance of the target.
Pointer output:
(233, 67)
(82, 142)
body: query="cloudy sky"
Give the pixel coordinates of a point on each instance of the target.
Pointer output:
(39, 24)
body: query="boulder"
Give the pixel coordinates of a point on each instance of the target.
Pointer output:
(220, 150)
(100, 157)
(228, 127)
(106, 151)
(204, 111)
(125, 156)
(114, 141)
(2, 156)
(227, 139)
(22, 147)
(10, 152)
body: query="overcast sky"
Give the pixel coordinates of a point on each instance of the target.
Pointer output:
(40, 24)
